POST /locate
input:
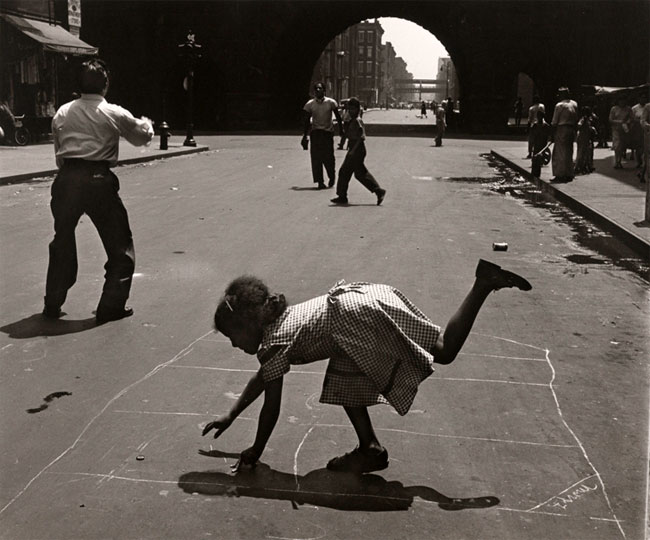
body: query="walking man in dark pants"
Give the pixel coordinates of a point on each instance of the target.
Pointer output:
(318, 118)
(86, 135)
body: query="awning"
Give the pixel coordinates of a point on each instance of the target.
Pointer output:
(53, 37)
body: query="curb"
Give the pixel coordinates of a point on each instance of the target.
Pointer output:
(631, 239)
(27, 177)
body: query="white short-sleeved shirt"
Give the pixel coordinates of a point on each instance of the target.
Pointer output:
(89, 128)
(565, 113)
(376, 326)
(321, 113)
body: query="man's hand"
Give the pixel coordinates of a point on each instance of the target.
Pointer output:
(220, 425)
(304, 142)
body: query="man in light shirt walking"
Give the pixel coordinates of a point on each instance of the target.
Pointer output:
(317, 122)
(86, 135)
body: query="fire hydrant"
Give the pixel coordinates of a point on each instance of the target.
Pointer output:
(164, 135)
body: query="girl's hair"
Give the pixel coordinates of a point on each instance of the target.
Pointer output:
(247, 300)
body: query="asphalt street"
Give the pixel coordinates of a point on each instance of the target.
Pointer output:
(539, 430)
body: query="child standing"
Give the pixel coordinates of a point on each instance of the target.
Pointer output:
(585, 141)
(379, 344)
(354, 159)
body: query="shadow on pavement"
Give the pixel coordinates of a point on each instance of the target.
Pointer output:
(300, 188)
(36, 325)
(627, 175)
(341, 491)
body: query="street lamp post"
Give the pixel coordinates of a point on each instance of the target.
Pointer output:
(191, 51)
(340, 55)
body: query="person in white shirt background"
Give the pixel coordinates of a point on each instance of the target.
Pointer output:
(318, 125)
(86, 135)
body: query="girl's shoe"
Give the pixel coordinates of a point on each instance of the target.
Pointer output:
(359, 462)
(500, 278)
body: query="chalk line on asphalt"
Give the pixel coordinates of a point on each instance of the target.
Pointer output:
(179, 355)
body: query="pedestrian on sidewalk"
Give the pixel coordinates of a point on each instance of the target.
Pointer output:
(645, 172)
(620, 117)
(380, 347)
(318, 126)
(585, 143)
(539, 137)
(86, 135)
(519, 109)
(565, 120)
(636, 131)
(423, 110)
(354, 159)
(441, 123)
(532, 119)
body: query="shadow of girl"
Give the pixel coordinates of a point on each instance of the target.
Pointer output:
(341, 491)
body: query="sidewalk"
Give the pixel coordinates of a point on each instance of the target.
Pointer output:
(24, 163)
(613, 199)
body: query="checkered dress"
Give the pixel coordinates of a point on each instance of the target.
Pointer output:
(379, 345)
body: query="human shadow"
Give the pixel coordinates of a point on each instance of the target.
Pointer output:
(345, 205)
(36, 325)
(321, 487)
(302, 188)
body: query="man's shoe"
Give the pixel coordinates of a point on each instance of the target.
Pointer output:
(50, 312)
(500, 278)
(339, 200)
(331, 183)
(106, 315)
(321, 186)
(381, 193)
(360, 462)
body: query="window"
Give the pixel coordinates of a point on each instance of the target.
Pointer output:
(361, 50)
(368, 67)
(360, 66)
(362, 36)
(369, 49)
(371, 36)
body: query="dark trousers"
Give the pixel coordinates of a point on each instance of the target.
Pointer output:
(90, 188)
(322, 154)
(354, 164)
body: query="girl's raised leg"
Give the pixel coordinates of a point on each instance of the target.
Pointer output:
(489, 277)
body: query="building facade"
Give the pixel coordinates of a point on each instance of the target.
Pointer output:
(356, 63)
(39, 57)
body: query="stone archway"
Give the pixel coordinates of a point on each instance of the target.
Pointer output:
(259, 54)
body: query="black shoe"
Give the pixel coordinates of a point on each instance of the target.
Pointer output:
(331, 183)
(340, 200)
(500, 278)
(381, 193)
(321, 186)
(50, 312)
(359, 462)
(106, 315)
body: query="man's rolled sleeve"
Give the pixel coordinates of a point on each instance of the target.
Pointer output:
(137, 132)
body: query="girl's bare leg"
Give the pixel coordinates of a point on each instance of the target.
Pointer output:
(489, 277)
(363, 426)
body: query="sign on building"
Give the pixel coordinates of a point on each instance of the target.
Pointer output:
(74, 16)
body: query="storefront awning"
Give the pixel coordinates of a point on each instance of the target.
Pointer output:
(52, 37)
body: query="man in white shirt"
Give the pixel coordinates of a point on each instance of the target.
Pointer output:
(565, 121)
(86, 135)
(317, 117)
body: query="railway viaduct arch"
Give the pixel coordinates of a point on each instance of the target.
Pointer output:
(257, 56)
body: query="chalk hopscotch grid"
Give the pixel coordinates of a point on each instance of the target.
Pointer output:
(206, 337)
